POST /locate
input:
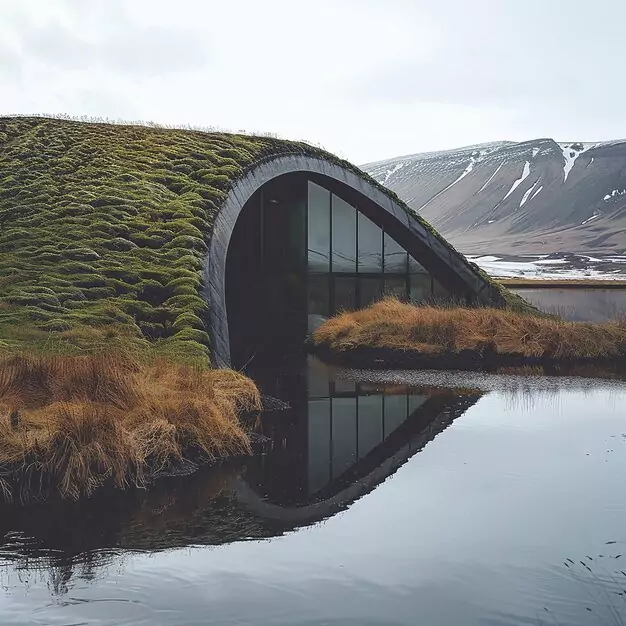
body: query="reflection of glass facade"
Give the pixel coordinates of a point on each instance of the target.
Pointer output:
(346, 421)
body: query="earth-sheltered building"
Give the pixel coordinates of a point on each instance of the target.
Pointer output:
(200, 239)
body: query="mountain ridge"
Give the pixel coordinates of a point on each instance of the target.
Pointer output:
(524, 197)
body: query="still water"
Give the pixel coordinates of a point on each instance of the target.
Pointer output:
(579, 305)
(490, 501)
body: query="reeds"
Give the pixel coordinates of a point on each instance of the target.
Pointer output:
(76, 423)
(435, 331)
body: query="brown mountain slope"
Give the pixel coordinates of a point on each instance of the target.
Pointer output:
(518, 198)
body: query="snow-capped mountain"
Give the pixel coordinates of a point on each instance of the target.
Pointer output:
(518, 198)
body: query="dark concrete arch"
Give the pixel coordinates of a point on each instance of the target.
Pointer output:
(439, 259)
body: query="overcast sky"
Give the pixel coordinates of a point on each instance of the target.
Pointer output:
(367, 79)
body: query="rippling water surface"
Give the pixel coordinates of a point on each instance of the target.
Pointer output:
(400, 503)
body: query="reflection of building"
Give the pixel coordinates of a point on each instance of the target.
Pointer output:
(345, 423)
(342, 440)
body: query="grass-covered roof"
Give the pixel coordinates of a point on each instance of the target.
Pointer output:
(103, 229)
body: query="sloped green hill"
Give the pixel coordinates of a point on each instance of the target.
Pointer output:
(105, 227)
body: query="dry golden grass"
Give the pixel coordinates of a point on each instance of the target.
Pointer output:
(437, 331)
(76, 423)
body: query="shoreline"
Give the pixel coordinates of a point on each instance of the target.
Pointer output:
(369, 357)
(562, 283)
(394, 334)
(72, 425)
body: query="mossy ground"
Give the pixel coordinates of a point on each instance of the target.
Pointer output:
(106, 226)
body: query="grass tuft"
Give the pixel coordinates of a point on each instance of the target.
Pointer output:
(73, 424)
(439, 331)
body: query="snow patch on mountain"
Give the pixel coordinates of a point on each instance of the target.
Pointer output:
(491, 177)
(467, 170)
(520, 180)
(397, 167)
(527, 194)
(537, 192)
(595, 216)
(570, 153)
(616, 193)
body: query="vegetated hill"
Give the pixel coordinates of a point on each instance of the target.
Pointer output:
(518, 198)
(106, 226)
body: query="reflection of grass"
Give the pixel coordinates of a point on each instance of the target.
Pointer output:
(63, 541)
(389, 389)
(75, 423)
(433, 332)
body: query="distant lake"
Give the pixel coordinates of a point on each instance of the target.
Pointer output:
(588, 305)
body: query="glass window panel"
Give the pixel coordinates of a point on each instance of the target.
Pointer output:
(396, 257)
(370, 424)
(344, 437)
(317, 378)
(370, 290)
(343, 236)
(396, 286)
(396, 411)
(296, 234)
(440, 293)
(319, 229)
(421, 288)
(415, 267)
(319, 444)
(319, 295)
(345, 293)
(415, 402)
(370, 243)
(344, 385)
(318, 304)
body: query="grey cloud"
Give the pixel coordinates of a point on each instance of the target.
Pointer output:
(122, 45)
(514, 55)
(10, 67)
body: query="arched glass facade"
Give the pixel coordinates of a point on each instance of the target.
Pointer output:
(300, 253)
(352, 262)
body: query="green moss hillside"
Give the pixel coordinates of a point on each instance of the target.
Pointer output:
(103, 230)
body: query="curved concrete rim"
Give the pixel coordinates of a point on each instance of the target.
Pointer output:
(214, 289)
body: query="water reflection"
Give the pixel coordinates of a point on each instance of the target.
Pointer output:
(514, 515)
(338, 442)
(342, 429)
